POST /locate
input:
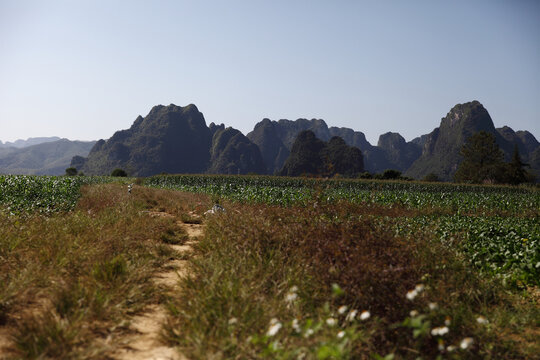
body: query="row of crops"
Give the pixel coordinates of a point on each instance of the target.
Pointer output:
(42, 194)
(508, 247)
(287, 191)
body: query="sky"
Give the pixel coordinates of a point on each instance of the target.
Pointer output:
(87, 68)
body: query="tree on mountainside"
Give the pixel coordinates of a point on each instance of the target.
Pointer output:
(483, 160)
(305, 156)
(71, 171)
(341, 158)
(515, 173)
(312, 156)
(119, 173)
(431, 177)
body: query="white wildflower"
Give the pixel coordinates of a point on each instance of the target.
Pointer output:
(342, 309)
(296, 326)
(331, 322)
(365, 315)
(447, 321)
(482, 320)
(275, 325)
(451, 348)
(411, 294)
(433, 306)
(309, 332)
(466, 343)
(439, 331)
(351, 315)
(290, 297)
(233, 321)
(341, 334)
(419, 288)
(413, 313)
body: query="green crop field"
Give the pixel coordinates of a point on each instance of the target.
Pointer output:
(43, 194)
(293, 268)
(288, 191)
(497, 227)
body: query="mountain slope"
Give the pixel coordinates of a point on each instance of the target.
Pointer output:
(233, 153)
(275, 140)
(441, 148)
(399, 154)
(312, 156)
(173, 139)
(49, 158)
(170, 139)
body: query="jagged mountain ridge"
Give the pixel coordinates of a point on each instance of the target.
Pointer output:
(173, 139)
(176, 139)
(436, 152)
(275, 140)
(441, 148)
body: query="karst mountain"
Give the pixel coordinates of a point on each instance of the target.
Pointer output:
(176, 139)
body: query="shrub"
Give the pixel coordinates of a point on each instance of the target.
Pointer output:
(71, 171)
(391, 174)
(119, 173)
(431, 177)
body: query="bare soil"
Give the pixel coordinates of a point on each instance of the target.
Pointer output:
(144, 339)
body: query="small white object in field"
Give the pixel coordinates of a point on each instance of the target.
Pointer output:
(215, 209)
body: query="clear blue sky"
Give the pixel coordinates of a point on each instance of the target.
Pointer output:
(84, 69)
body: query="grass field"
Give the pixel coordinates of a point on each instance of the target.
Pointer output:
(294, 268)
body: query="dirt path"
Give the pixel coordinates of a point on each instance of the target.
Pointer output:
(144, 342)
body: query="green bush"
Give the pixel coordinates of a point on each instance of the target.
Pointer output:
(119, 173)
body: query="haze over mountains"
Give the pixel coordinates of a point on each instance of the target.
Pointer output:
(41, 156)
(175, 139)
(28, 142)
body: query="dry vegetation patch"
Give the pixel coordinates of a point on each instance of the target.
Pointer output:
(70, 280)
(263, 284)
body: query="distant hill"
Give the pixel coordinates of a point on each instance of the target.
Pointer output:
(312, 156)
(28, 142)
(233, 153)
(47, 158)
(275, 140)
(441, 148)
(173, 139)
(176, 139)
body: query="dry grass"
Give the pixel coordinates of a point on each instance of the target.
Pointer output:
(252, 255)
(71, 279)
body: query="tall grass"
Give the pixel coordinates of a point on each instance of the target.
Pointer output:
(71, 280)
(238, 300)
